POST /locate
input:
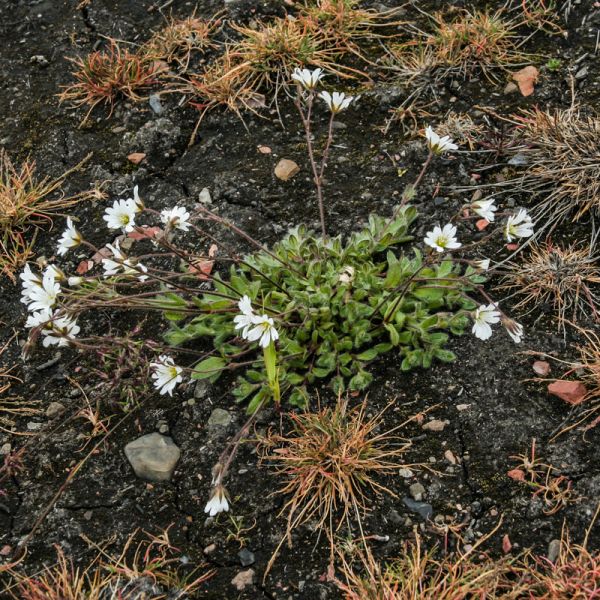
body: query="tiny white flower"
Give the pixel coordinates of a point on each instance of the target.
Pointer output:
(347, 274)
(514, 329)
(75, 281)
(139, 205)
(306, 78)
(70, 238)
(243, 321)
(121, 215)
(263, 330)
(166, 374)
(218, 501)
(177, 217)
(442, 239)
(337, 102)
(482, 319)
(485, 209)
(482, 265)
(437, 144)
(518, 226)
(38, 318)
(60, 331)
(43, 297)
(112, 267)
(55, 272)
(30, 281)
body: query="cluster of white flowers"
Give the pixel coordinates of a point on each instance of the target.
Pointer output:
(127, 265)
(40, 293)
(166, 374)
(336, 102)
(255, 327)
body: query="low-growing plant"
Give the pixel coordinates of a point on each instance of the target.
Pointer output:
(341, 304)
(564, 278)
(470, 43)
(104, 76)
(180, 39)
(330, 463)
(27, 202)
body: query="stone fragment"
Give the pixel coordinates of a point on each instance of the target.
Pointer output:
(153, 457)
(136, 157)
(243, 579)
(510, 88)
(246, 557)
(219, 418)
(421, 508)
(435, 425)
(155, 104)
(541, 367)
(572, 392)
(405, 472)
(55, 409)
(553, 550)
(204, 196)
(450, 457)
(286, 169)
(417, 491)
(526, 79)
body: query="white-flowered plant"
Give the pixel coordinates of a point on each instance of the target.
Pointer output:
(484, 317)
(69, 239)
(263, 329)
(485, 209)
(442, 239)
(336, 102)
(514, 329)
(177, 218)
(308, 79)
(437, 144)
(122, 264)
(243, 321)
(482, 265)
(218, 501)
(518, 226)
(166, 374)
(121, 215)
(42, 296)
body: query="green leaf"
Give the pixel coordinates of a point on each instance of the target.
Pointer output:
(367, 355)
(209, 368)
(444, 355)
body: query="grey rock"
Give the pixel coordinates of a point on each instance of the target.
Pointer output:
(219, 418)
(204, 198)
(417, 491)
(153, 457)
(55, 409)
(246, 557)
(518, 160)
(34, 426)
(405, 472)
(201, 389)
(421, 508)
(155, 104)
(553, 550)
(5, 449)
(582, 73)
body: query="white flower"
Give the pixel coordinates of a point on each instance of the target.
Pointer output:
(218, 501)
(166, 373)
(75, 281)
(263, 330)
(337, 102)
(60, 331)
(485, 209)
(38, 318)
(442, 239)
(30, 281)
(177, 217)
(139, 205)
(243, 321)
(306, 78)
(121, 215)
(347, 274)
(112, 267)
(514, 329)
(482, 265)
(43, 297)
(484, 317)
(518, 226)
(70, 238)
(55, 272)
(437, 144)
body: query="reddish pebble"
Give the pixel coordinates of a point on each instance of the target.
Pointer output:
(482, 224)
(517, 475)
(572, 392)
(512, 247)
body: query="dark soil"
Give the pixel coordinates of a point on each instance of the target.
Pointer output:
(492, 411)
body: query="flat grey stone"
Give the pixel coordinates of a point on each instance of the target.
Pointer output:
(246, 557)
(55, 409)
(153, 456)
(219, 418)
(421, 508)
